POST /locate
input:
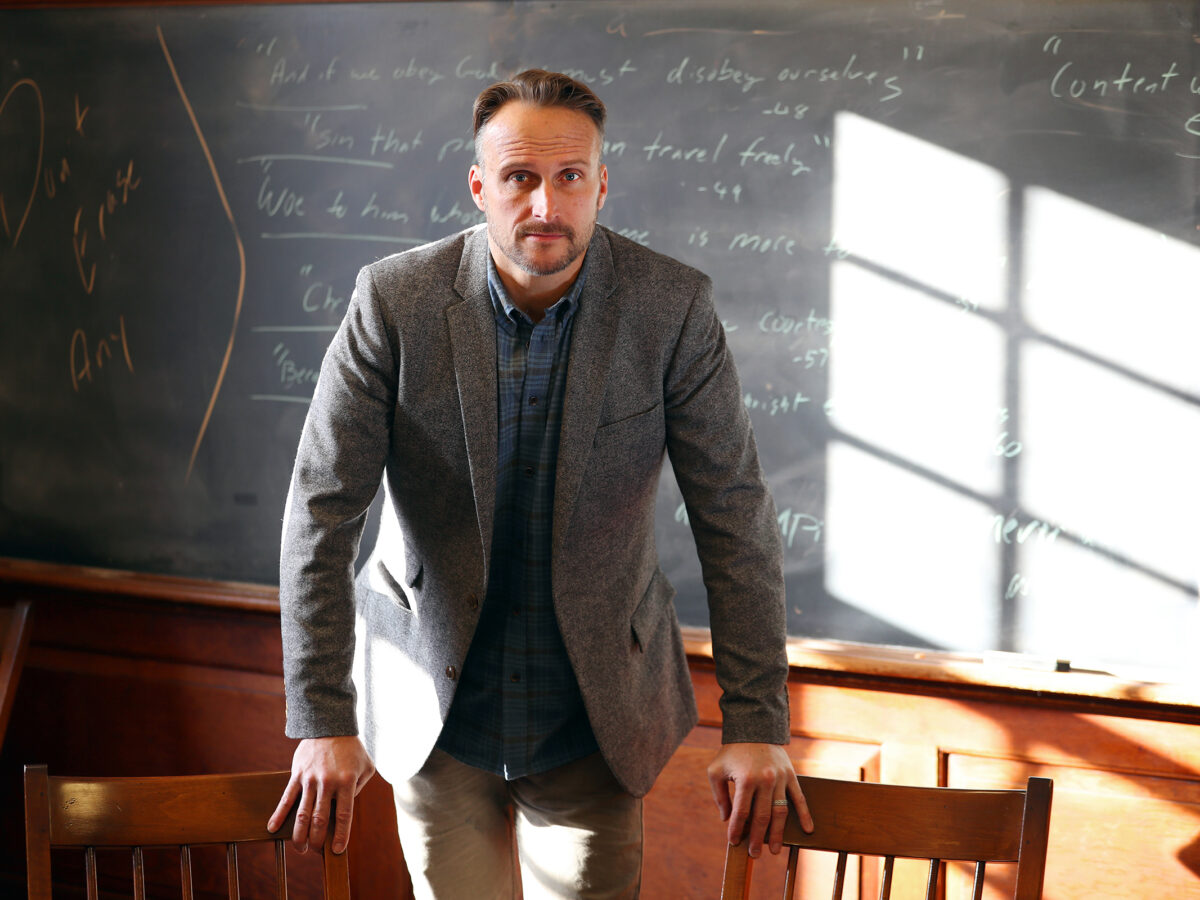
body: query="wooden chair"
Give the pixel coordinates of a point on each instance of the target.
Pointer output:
(14, 642)
(936, 824)
(140, 813)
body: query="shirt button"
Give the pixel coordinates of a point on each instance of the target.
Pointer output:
(533, 401)
(451, 672)
(529, 471)
(515, 676)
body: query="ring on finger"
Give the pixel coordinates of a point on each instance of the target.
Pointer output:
(779, 803)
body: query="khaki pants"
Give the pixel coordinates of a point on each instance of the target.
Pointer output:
(577, 833)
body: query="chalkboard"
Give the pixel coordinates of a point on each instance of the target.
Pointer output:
(955, 249)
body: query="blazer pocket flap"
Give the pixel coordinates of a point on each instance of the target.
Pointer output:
(383, 581)
(632, 438)
(653, 611)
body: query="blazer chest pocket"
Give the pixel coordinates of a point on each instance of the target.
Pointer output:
(628, 442)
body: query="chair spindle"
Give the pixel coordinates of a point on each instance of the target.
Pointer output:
(977, 893)
(139, 875)
(185, 872)
(231, 869)
(280, 870)
(789, 881)
(885, 889)
(839, 878)
(89, 863)
(931, 886)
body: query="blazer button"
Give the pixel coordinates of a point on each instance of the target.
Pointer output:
(473, 602)
(451, 672)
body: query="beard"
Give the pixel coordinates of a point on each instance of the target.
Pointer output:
(516, 252)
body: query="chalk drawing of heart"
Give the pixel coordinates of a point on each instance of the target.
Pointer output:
(37, 169)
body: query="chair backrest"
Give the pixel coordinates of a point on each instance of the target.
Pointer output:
(183, 812)
(937, 824)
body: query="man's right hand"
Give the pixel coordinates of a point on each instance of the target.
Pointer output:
(327, 773)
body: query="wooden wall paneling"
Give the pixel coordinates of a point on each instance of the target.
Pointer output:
(136, 682)
(116, 685)
(15, 627)
(1114, 833)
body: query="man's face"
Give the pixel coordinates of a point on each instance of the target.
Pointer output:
(540, 185)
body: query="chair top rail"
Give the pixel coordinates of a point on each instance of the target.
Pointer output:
(870, 819)
(192, 810)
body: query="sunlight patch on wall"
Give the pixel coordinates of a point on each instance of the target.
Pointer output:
(908, 551)
(1112, 288)
(1100, 614)
(921, 211)
(916, 378)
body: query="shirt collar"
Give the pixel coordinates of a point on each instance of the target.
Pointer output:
(507, 313)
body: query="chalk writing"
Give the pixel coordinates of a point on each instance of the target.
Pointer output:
(754, 154)
(1004, 447)
(850, 72)
(734, 192)
(82, 358)
(372, 210)
(456, 214)
(31, 181)
(775, 322)
(319, 297)
(282, 73)
(789, 522)
(776, 405)
(818, 356)
(640, 235)
(793, 111)
(763, 244)
(337, 208)
(1007, 529)
(390, 143)
(79, 239)
(1018, 586)
(832, 249)
(467, 69)
(456, 145)
(326, 138)
(283, 201)
(291, 374)
(114, 199)
(686, 72)
(1071, 81)
(656, 149)
(422, 74)
(604, 76)
(1065, 84)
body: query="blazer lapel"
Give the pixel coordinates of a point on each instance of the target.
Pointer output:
(472, 329)
(587, 375)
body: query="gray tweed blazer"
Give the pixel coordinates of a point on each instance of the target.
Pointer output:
(407, 392)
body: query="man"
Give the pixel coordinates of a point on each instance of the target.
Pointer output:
(516, 645)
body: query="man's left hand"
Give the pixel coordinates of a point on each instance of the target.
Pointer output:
(761, 774)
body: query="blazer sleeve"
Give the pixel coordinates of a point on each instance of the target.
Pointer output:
(733, 520)
(339, 465)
